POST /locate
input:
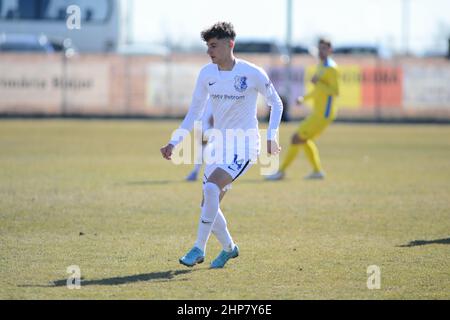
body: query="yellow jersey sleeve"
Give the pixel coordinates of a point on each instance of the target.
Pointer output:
(328, 84)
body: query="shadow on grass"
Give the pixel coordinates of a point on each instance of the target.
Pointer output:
(164, 276)
(166, 182)
(416, 243)
(251, 181)
(150, 182)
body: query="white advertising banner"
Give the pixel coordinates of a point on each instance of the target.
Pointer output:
(426, 87)
(25, 84)
(42, 84)
(88, 85)
(170, 86)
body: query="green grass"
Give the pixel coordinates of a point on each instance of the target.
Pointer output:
(387, 186)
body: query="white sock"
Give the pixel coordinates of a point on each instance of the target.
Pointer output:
(203, 233)
(220, 230)
(210, 209)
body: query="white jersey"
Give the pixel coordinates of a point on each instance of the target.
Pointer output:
(233, 95)
(206, 123)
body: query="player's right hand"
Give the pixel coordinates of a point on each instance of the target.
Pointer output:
(300, 100)
(273, 148)
(167, 151)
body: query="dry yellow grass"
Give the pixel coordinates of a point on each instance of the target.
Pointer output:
(98, 195)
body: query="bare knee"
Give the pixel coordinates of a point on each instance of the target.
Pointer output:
(296, 139)
(220, 178)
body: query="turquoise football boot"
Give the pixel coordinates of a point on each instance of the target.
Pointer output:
(223, 258)
(193, 257)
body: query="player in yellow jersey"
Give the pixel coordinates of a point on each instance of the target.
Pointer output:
(326, 89)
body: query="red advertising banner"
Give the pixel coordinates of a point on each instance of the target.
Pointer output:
(382, 87)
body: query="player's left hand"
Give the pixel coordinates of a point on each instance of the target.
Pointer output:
(166, 151)
(315, 79)
(273, 148)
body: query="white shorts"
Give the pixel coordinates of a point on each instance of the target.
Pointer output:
(236, 169)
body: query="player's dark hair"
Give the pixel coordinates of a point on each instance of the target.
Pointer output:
(220, 30)
(326, 42)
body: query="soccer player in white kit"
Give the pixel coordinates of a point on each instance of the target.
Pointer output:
(232, 85)
(207, 121)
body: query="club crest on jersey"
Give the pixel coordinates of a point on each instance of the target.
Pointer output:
(237, 164)
(240, 83)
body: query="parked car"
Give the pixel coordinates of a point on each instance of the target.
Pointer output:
(362, 49)
(25, 43)
(267, 46)
(137, 49)
(299, 49)
(64, 46)
(259, 46)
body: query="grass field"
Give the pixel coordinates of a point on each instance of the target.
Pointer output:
(97, 194)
